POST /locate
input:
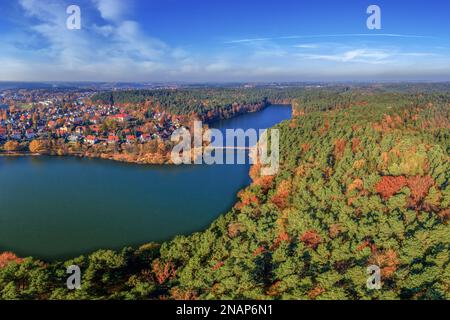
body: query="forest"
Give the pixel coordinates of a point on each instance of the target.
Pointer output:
(205, 103)
(363, 180)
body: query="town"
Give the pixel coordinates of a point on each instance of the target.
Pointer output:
(27, 115)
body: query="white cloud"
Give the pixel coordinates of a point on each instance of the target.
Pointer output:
(112, 10)
(367, 56)
(115, 50)
(307, 46)
(354, 55)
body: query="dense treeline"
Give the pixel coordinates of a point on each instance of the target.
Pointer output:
(364, 180)
(221, 103)
(200, 101)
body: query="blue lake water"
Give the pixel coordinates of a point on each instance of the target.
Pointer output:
(56, 208)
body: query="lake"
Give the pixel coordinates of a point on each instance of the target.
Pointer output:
(58, 208)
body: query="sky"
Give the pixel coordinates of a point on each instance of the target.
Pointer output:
(224, 41)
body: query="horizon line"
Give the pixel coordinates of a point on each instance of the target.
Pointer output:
(225, 82)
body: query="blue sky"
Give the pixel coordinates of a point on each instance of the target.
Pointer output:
(223, 41)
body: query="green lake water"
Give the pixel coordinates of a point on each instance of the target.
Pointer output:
(57, 208)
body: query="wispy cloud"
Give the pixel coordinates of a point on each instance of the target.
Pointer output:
(343, 35)
(358, 55)
(248, 40)
(366, 56)
(346, 35)
(307, 46)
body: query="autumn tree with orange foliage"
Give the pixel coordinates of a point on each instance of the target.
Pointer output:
(7, 258)
(311, 238)
(247, 198)
(184, 295)
(356, 143)
(281, 196)
(419, 188)
(163, 271)
(11, 146)
(388, 186)
(265, 182)
(339, 148)
(38, 146)
(387, 260)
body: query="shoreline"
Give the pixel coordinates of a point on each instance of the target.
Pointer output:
(19, 154)
(29, 154)
(149, 159)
